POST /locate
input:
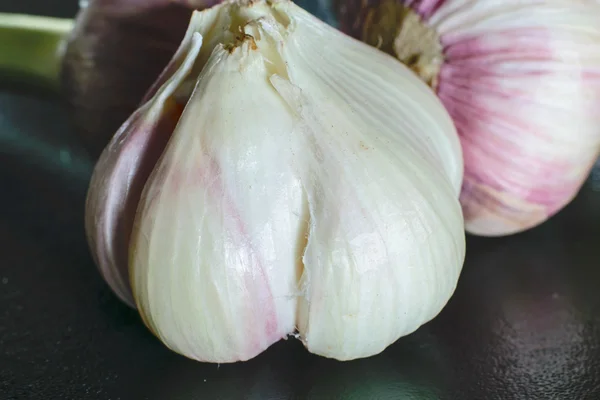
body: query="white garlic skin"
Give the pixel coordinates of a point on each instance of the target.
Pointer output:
(310, 186)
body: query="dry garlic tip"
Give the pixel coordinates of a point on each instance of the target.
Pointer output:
(309, 188)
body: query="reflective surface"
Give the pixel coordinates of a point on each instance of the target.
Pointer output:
(523, 324)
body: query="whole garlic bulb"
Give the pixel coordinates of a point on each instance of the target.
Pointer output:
(521, 80)
(285, 179)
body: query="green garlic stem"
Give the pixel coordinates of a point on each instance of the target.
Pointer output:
(31, 47)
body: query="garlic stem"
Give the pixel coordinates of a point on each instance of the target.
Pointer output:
(31, 47)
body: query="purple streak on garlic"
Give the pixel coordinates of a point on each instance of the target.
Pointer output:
(310, 188)
(119, 177)
(521, 80)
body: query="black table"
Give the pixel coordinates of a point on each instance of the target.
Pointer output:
(524, 322)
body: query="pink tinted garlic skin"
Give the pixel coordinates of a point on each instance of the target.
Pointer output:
(521, 80)
(260, 193)
(121, 173)
(115, 190)
(102, 82)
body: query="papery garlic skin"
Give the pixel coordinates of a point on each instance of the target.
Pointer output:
(521, 80)
(119, 177)
(216, 246)
(310, 188)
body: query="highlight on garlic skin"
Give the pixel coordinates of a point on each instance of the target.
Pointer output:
(521, 80)
(283, 179)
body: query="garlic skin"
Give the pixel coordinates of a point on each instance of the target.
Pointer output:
(504, 71)
(310, 188)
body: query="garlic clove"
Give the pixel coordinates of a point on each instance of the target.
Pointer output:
(120, 175)
(370, 226)
(214, 255)
(372, 219)
(503, 71)
(311, 183)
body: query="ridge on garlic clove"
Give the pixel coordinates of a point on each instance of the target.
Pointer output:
(282, 179)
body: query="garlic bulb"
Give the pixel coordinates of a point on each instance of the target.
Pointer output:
(285, 179)
(521, 80)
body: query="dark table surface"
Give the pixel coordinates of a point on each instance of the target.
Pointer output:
(524, 322)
